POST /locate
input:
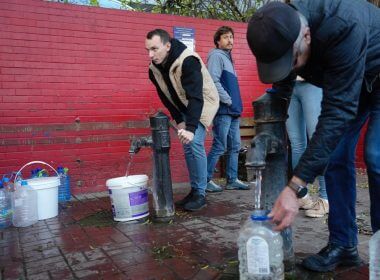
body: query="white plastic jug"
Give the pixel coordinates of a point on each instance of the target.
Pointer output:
(24, 203)
(260, 249)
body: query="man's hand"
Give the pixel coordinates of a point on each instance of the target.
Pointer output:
(181, 125)
(185, 136)
(285, 209)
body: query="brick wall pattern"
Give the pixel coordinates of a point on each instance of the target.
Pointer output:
(74, 87)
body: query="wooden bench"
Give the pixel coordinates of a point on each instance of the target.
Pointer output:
(247, 131)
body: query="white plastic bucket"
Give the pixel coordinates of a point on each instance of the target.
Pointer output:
(129, 197)
(47, 192)
(47, 196)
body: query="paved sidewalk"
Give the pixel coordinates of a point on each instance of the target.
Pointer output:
(83, 242)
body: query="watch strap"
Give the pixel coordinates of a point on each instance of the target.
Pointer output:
(300, 190)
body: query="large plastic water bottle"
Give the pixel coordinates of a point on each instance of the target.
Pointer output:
(5, 207)
(24, 205)
(260, 249)
(64, 193)
(374, 256)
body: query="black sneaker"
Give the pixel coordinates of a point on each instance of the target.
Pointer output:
(196, 203)
(332, 256)
(185, 200)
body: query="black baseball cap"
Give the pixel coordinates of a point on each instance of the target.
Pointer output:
(271, 34)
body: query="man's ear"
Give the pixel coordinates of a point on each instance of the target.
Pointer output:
(168, 46)
(307, 35)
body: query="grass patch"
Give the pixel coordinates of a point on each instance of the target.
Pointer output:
(161, 253)
(98, 219)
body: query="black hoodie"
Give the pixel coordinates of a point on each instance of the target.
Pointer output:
(192, 83)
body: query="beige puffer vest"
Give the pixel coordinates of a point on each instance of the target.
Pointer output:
(210, 93)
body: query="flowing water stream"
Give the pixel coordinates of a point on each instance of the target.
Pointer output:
(257, 189)
(129, 164)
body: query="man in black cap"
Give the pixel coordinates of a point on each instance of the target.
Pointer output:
(334, 45)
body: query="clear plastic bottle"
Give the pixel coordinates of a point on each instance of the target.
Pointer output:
(5, 207)
(260, 249)
(8, 185)
(374, 256)
(24, 205)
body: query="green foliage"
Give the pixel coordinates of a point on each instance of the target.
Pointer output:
(94, 3)
(124, 3)
(215, 9)
(136, 5)
(235, 10)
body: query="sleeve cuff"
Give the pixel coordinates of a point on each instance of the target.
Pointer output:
(305, 175)
(191, 128)
(178, 120)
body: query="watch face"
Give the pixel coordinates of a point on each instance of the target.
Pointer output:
(302, 192)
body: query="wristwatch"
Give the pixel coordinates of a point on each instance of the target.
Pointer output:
(301, 191)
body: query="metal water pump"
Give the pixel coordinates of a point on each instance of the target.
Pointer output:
(269, 154)
(162, 183)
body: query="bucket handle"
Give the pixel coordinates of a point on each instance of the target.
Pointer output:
(33, 162)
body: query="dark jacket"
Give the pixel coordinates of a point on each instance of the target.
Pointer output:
(222, 71)
(192, 82)
(345, 54)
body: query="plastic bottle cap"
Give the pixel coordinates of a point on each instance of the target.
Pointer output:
(259, 218)
(260, 215)
(24, 183)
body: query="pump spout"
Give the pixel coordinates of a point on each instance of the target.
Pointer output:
(137, 143)
(256, 155)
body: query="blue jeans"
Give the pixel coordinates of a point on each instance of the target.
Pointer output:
(340, 174)
(304, 110)
(226, 138)
(196, 160)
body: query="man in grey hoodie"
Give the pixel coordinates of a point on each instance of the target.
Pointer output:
(226, 122)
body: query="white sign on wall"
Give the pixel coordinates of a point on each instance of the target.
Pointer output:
(185, 35)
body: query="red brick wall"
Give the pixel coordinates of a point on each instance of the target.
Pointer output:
(74, 87)
(75, 90)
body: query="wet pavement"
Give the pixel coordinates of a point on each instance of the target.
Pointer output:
(84, 242)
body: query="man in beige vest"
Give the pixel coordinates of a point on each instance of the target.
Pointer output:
(187, 90)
